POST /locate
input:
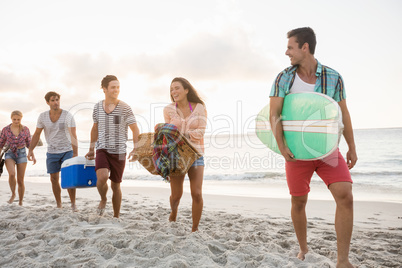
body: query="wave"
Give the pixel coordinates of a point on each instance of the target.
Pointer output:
(382, 173)
(247, 176)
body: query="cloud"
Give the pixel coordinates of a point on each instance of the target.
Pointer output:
(17, 92)
(84, 70)
(227, 55)
(205, 58)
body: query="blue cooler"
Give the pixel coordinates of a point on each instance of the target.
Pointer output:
(78, 172)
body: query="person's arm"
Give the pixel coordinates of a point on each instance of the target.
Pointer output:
(27, 138)
(198, 133)
(351, 156)
(34, 142)
(166, 115)
(2, 140)
(94, 137)
(275, 111)
(136, 132)
(74, 141)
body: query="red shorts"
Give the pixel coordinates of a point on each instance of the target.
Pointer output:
(331, 169)
(114, 162)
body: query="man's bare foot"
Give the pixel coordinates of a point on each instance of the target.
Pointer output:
(100, 211)
(101, 207)
(194, 229)
(11, 199)
(302, 254)
(346, 264)
(173, 216)
(20, 203)
(74, 208)
(59, 205)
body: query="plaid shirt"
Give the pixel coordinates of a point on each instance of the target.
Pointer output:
(329, 82)
(165, 153)
(7, 137)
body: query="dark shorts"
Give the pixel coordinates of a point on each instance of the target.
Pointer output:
(331, 169)
(54, 161)
(114, 162)
(22, 156)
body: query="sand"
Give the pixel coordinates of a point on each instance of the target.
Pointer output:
(235, 231)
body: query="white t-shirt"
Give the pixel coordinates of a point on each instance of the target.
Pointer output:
(57, 133)
(301, 86)
(113, 127)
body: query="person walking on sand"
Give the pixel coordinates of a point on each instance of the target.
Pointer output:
(308, 75)
(111, 117)
(17, 137)
(187, 112)
(62, 144)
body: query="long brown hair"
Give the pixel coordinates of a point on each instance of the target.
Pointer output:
(192, 95)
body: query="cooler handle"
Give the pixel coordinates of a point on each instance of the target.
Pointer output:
(87, 163)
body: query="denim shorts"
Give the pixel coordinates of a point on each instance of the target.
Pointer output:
(54, 161)
(22, 156)
(199, 162)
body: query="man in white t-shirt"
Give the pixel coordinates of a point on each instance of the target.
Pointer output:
(61, 139)
(112, 118)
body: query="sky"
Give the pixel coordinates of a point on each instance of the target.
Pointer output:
(231, 51)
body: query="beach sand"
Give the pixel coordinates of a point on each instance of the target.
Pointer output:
(235, 231)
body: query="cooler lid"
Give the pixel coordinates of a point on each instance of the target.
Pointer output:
(78, 160)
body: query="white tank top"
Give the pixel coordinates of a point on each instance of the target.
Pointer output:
(301, 86)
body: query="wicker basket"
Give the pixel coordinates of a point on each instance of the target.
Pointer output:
(188, 154)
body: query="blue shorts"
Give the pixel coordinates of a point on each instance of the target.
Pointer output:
(22, 156)
(198, 162)
(54, 161)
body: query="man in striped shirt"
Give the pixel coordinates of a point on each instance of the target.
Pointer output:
(111, 117)
(308, 75)
(61, 139)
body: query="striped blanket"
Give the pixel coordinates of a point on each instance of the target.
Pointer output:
(165, 155)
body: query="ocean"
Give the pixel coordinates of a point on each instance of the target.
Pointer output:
(242, 165)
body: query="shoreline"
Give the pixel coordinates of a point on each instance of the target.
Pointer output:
(260, 188)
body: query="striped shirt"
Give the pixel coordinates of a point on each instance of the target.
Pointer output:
(57, 133)
(329, 82)
(113, 127)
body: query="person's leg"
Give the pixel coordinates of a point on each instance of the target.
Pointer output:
(102, 176)
(196, 175)
(54, 179)
(10, 165)
(71, 194)
(53, 168)
(299, 219)
(334, 171)
(116, 198)
(102, 169)
(71, 191)
(176, 192)
(342, 193)
(117, 163)
(20, 180)
(298, 177)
